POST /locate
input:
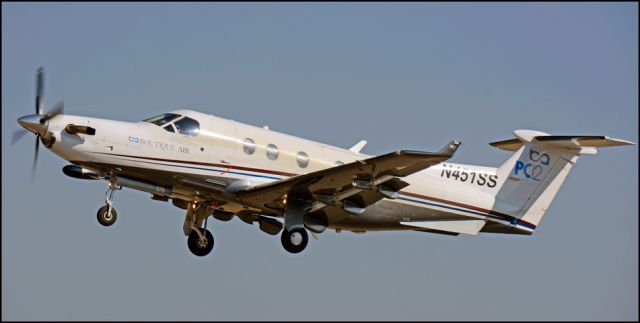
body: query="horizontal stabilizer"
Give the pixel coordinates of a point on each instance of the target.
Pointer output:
(582, 141)
(509, 145)
(461, 226)
(584, 144)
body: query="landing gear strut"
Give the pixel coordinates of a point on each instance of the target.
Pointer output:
(294, 237)
(295, 240)
(107, 213)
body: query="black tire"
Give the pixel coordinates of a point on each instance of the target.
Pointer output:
(194, 244)
(288, 244)
(104, 218)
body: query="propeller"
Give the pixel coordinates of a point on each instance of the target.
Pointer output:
(39, 89)
(35, 159)
(17, 135)
(37, 123)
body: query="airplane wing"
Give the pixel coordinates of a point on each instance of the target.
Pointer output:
(355, 185)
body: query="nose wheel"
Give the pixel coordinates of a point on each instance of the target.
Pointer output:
(295, 240)
(107, 214)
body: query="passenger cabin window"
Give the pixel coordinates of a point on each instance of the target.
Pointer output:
(272, 152)
(162, 119)
(187, 126)
(249, 146)
(338, 163)
(302, 159)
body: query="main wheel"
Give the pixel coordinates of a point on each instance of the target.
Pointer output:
(105, 218)
(294, 241)
(200, 247)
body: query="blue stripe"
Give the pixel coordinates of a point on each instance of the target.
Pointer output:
(461, 210)
(448, 207)
(211, 170)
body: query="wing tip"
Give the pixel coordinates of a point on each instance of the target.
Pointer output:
(622, 142)
(450, 148)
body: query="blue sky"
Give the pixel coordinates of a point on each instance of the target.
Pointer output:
(407, 75)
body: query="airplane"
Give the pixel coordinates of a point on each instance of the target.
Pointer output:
(211, 166)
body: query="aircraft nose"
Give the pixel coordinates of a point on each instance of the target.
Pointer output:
(32, 123)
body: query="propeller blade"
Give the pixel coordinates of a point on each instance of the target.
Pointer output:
(35, 158)
(39, 90)
(58, 109)
(17, 135)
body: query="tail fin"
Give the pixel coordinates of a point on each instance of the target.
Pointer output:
(531, 177)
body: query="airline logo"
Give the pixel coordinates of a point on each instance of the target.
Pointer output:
(160, 145)
(534, 167)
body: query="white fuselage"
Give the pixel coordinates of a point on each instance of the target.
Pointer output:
(218, 151)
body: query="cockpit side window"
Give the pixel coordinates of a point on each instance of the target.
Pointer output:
(162, 119)
(169, 128)
(187, 126)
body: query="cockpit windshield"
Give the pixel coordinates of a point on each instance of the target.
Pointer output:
(182, 124)
(162, 119)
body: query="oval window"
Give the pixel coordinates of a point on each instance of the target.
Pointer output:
(272, 152)
(249, 146)
(302, 159)
(338, 163)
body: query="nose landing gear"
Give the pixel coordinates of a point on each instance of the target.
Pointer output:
(107, 214)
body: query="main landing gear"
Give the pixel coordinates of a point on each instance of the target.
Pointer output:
(200, 241)
(294, 236)
(295, 240)
(200, 244)
(107, 214)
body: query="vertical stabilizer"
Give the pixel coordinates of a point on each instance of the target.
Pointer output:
(532, 176)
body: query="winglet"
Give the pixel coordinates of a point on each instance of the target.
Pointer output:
(450, 148)
(357, 147)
